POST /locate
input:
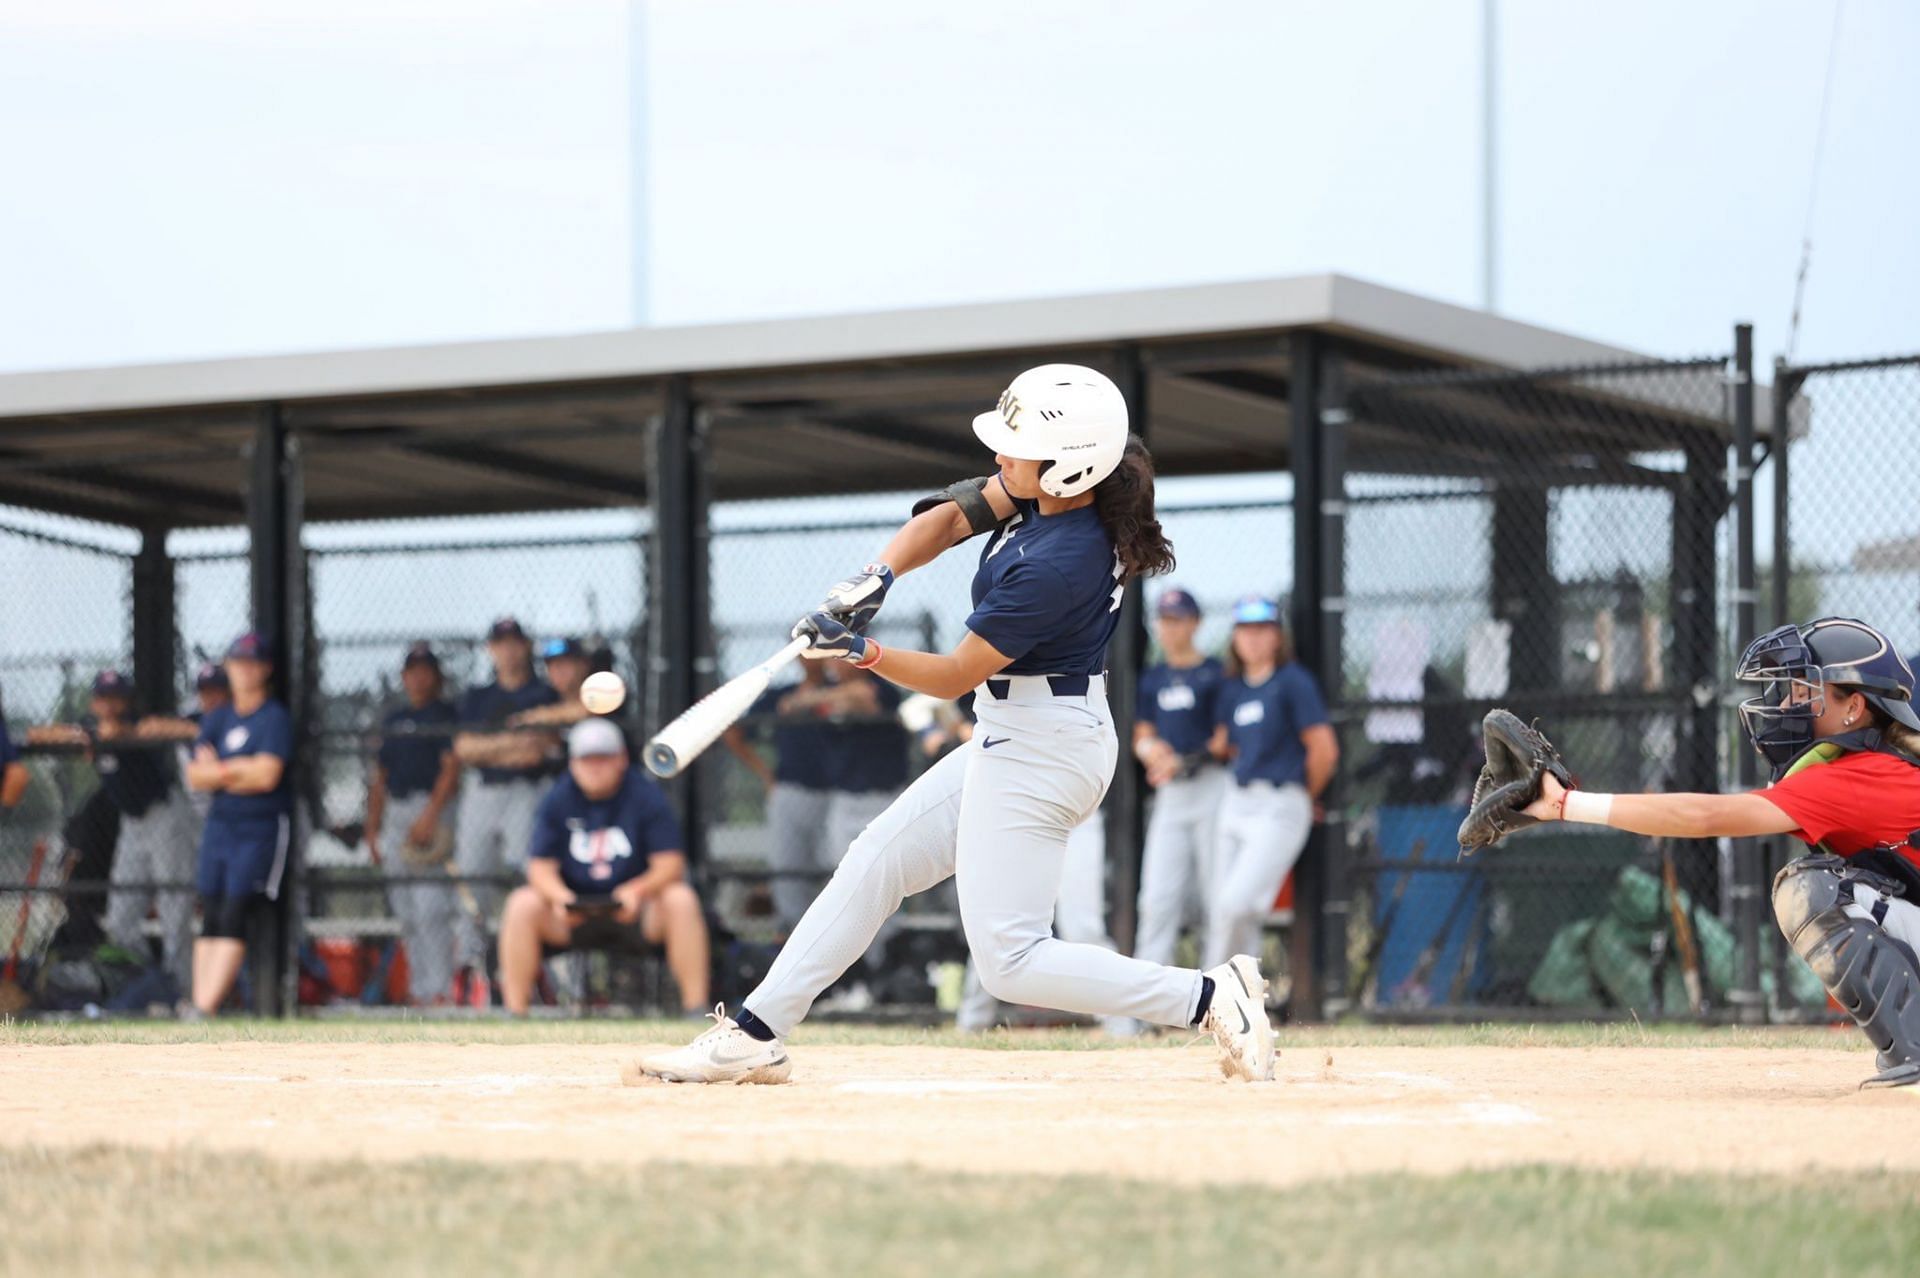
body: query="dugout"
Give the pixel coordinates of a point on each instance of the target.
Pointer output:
(1372, 409)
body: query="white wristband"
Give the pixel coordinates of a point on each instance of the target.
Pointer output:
(1587, 808)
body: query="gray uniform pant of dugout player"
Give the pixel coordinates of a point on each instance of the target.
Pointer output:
(1263, 827)
(1080, 915)
(797, 821)
(161, 845)
(1176, 864)
(426, 910)
(995, 815)
(494, 827)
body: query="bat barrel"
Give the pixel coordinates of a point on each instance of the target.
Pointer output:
(661, 759)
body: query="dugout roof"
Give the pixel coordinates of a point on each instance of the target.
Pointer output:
(865, 402)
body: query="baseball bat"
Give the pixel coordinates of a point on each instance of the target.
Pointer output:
(1683, 937)
(700, 724)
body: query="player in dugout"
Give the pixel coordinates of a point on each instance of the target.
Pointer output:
(607, 869)
(241, 758)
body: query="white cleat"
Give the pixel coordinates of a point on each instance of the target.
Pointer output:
(723, 1054)
(1237, 1019)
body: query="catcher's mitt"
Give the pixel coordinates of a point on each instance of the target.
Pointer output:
(1517, 757)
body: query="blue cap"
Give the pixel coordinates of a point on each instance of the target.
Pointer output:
(111, 683)
(553, 648)
(506, 628)
(1177, 603)
(210, 675)
(420, 653)
(249, 647)
(1256, 610)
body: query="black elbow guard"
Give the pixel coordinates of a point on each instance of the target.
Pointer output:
(971, 496)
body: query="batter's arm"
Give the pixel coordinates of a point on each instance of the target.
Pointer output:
(945, 676)
(1678, 816)
(13, 784)
(929, 534)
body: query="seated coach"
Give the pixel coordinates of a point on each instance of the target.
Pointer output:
(606, 869)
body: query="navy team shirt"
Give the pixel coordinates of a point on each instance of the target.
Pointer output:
(802, 743)
(487, 709)
(1047, 591)
(268, 730)
(1264, 722)
(601, 843)
(869, 756)
(7, 753)
(412, 763)
(1179, 703)
(133, 779)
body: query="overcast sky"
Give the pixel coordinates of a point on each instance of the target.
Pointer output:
(211, 177)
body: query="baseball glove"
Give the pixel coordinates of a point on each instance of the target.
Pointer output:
(1517, 757)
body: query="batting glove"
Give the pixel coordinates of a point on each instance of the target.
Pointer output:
(828, 638)
(854, 601)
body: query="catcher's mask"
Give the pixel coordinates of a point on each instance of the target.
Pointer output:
(1793, 665)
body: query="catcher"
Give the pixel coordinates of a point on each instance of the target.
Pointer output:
(1835, 719)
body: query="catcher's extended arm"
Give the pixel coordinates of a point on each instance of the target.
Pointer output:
(1517, 757)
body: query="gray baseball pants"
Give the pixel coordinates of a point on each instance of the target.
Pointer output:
(426, 910)
(995, 816)
(494, 827)
(797, 822)
(1263, 827)
(1176, 862)
(161, 845)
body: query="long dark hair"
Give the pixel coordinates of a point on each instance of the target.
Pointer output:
(1124, 502)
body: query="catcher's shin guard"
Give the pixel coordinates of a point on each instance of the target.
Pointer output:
(1874, 976)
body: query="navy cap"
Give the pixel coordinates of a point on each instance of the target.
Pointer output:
(249, 647)
(111, 683)
(210, 675)
(1177, 603)
(1256, 610)
(506, 628)
(420, 653)
(563, 648)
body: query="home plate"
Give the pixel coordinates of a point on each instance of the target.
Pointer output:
(934, 1086)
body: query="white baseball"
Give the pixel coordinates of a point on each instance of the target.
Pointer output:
(602, 693)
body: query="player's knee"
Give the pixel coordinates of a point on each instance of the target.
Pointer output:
(678, 901)
(1002, 964)
(1805, 889)
(523, 909)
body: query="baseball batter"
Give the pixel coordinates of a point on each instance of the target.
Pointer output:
(1070, 518)
(1171, 736)
(1836, 721)
(1272, 723)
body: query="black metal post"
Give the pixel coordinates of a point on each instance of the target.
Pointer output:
(273, 528)
(1127, 797)
(154, 650)
(1525, 595)
(1747, 888)
(680, 629)
(1786, 388)
(1307, 622)
(1331, 671)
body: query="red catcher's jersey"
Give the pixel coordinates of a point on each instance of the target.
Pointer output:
(1861, 800)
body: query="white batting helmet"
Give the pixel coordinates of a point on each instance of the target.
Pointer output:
(1065, 414)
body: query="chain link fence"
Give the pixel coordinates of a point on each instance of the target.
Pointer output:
(1550, 542)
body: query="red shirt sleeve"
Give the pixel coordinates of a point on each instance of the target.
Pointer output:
(1823, 799)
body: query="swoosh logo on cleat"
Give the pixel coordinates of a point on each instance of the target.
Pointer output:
(988, 743)
(1246, 1026)
(1239, 980)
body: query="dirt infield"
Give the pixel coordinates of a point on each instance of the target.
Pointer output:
(1153, 1113)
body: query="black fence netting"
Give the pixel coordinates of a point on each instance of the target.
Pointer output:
(1551, 543)
(403, 889)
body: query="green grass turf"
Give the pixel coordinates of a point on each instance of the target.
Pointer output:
(22, 1033)
(192, 1213)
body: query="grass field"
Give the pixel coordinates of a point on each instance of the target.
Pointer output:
(484, 1147)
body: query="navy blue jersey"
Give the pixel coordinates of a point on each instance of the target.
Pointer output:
(870, 756)
(802, 742)
(134, 779)
(601, 843)
(1047, 592)
(412, 763)
(1179, 703)
(1264, 723)
(489, 706)
(7, 753)
(268, 730)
